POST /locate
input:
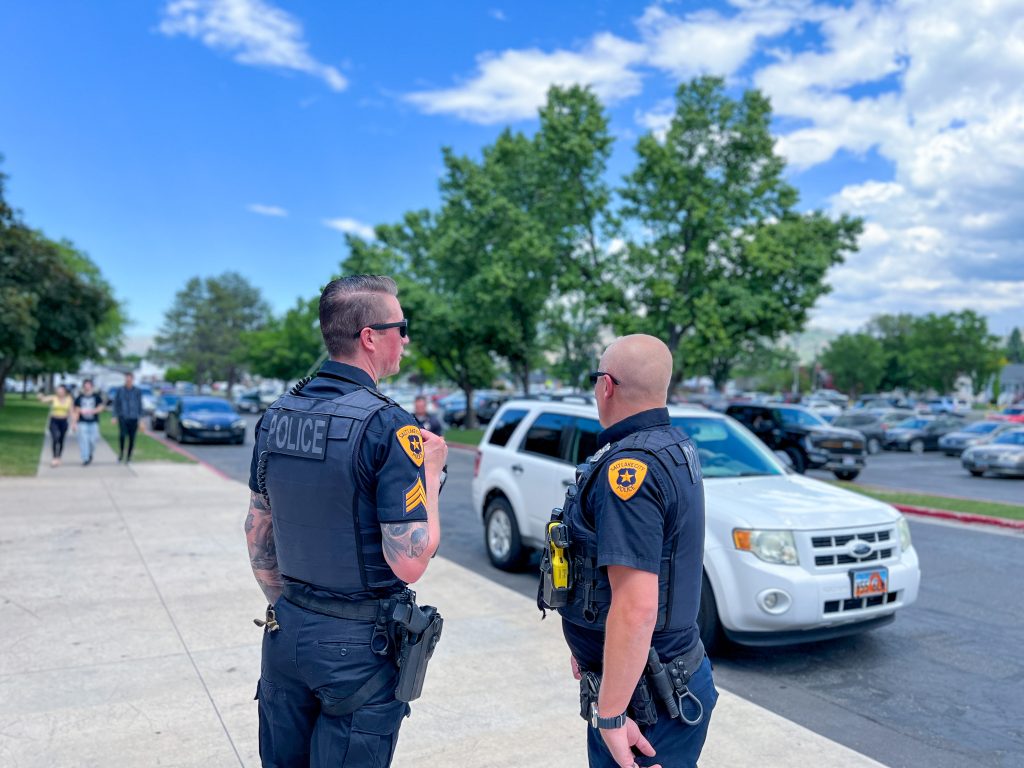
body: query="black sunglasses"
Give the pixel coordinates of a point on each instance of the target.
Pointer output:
(595, 375)
(401, 325)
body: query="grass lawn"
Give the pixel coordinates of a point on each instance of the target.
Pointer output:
(968, 506)
(22, 431)
(146, 447)
(464, 436)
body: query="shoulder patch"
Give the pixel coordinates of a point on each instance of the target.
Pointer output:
(412, 443)
(415, 496)
(625, 477)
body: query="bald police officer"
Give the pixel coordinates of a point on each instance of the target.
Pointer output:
(631, 533)
(343, 516)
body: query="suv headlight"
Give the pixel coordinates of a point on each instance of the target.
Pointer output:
(904, 528)
(770, 546)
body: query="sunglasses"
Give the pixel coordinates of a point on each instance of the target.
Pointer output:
(595, 375)
(401, 325)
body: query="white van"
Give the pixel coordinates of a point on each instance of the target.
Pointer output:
(787, 559)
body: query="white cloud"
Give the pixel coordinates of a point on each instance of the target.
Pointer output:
(267, 210)
(352, 227)
(497, 14)
(513, 84)
(253, 31)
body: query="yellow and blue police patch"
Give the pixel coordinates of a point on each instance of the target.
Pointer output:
(412, 443)
(415, 496)
(625, 477)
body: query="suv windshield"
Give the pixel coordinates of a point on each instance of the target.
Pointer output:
(982, 427)
(726, 450)
(913, 424)
(1010, 438)
(794, 417)
(210, 406)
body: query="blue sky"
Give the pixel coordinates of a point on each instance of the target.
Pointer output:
(172, 139)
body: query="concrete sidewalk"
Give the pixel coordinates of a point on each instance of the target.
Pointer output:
(127, 640)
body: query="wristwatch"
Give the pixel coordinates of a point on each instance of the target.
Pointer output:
(596, 721)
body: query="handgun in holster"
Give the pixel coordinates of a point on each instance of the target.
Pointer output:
(556, 566)
(420, 631)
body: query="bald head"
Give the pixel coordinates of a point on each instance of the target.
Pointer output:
(644, 366)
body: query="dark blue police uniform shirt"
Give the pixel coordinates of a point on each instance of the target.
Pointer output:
(385, 471)
(629, 532)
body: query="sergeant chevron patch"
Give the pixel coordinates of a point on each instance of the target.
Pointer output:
(625, 477)
(415, 496)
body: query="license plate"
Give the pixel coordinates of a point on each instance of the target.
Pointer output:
(849, 461)
(870, 582)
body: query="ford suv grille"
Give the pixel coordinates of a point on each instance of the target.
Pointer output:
(826, 546)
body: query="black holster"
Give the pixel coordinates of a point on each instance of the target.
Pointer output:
(641, 705)
(552, 596)
(417, 631)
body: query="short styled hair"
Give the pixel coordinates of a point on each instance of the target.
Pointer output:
(349, 304)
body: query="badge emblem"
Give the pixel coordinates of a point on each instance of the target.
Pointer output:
(412, 443)
(625, 477)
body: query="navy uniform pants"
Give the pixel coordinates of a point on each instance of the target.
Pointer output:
(677, 745)
(314, 658)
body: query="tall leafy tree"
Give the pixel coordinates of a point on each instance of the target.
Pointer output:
(856, 361)
(718, 257)
(438, 275)
(289, 345)
(1015, 347)
(896, 334)
(207, 326)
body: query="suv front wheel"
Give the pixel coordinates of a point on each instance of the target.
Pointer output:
(501, 535)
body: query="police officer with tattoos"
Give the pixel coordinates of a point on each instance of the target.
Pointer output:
(343, 516)
(623, 567)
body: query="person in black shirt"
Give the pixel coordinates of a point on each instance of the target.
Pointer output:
(426, 420)
(85, 420)
(127, 412)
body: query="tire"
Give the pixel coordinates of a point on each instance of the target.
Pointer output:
(846, 474)
(799, 462)
(874, 446)
(502, 541)
(708, 625)
(976, 472)
(239, 440)
(917, 446)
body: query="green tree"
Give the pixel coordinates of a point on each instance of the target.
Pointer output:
(287, 346)
(1015, 347)
(56, 309)
(767, 367)
(856, 361)
(896, 334)
(718, 257)
(207, 325)
(439, 280)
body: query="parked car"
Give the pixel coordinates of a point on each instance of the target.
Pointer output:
(814, 540)
(485, 403)
(164, 404)
(196, 418)
(826, 409)
(1004, 455)
(954, 443)
(872, 423)
(943, 405)
(883, 401)
(808, 440)
(920, 433)
(1013, 413)
(248, 400)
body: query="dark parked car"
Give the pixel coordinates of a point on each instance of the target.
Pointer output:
(164, 405)
(872, 423)
(808, 441)
(205, 419)
(1003, 456)
(921, 433)
(486, 405)
(248, 400)
(955, 443)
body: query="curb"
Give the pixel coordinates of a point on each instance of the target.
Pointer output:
(462, 447)
(961, 517)
(187, 454)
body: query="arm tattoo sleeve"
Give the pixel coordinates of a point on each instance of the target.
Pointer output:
(259, 536)
(406, 541)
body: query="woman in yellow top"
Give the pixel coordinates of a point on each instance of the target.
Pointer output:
(60, 410)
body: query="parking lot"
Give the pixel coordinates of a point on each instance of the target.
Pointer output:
(933, 473)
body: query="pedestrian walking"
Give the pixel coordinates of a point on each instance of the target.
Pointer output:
(127, 409)
(343, 515)
(623, 567)
(61, 404)
(85, 420)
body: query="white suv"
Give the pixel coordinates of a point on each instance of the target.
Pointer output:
(787, 559)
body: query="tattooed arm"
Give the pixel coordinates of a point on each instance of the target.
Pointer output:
(259, 535)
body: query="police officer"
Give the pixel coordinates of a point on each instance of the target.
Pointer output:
(634, 523)
(343, 516)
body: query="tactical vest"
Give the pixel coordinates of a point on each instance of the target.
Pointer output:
(592, 594)
(308, 457)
